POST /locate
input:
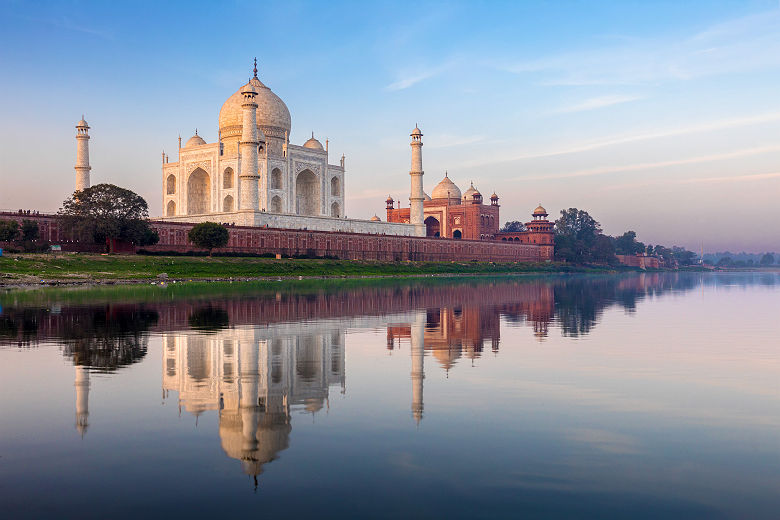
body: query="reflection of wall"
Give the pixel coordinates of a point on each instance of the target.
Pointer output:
(252, 377)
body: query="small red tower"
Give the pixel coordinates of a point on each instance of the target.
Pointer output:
(540, 232)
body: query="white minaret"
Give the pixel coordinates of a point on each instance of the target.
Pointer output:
(416, 197)
(249, 380)
(247, 147)
(82, 155)
(82, 399)
(417, 340)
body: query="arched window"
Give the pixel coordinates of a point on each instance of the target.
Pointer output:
(170, 184)
(276, 204)
(227, 178)
(335, 210)
(227, 205)
(503, 239)
(457, 234)
(198, 192)
(432, 227)
(276, 179)
(307, 193)
(170, 210)
(335, 187)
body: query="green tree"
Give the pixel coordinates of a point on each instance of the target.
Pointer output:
(604, 249)
(683, 256)
(106, 211)
(627, 244)
(209, 235)
(513, 226)
(725, 261)
(576, 233)
(767, 259)
(9, 230)
(30, 230)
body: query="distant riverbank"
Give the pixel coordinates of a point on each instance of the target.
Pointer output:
(88, 269)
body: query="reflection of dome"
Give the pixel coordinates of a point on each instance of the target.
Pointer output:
(447, 357)
(273, 117)
(540, 210)
(446, 189)
(195, 140)
(375, 219)
(313, 143)
(270, 435)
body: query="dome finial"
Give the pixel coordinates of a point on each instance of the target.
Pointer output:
(312, 134)
(196, 131)
(255, 69)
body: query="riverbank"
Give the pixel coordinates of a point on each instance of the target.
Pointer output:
(88, 269)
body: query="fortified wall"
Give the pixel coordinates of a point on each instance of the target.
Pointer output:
(291, 242)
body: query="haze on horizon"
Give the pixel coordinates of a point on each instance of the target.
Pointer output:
(662, 118)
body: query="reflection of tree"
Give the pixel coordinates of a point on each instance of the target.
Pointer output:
(209, 319)
(107, 338)
(20, 327)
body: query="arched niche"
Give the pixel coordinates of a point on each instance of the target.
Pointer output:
(198, 192)
(170, 184)
(227, 178)
(432, 227)
(170, 209)
(307, 193)
(276, 204)
(335, 187)
(227, 204)
(276, 179)
(457, 234)
(335, 210)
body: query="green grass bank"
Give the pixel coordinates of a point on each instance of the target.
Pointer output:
(85, 268)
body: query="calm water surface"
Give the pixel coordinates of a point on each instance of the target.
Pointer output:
(643, 396)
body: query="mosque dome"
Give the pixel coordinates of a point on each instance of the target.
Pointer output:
(313, 143)
(467, 196)
(540, 210)
(446, 189)
(195, 140)
(375, 219)
(273, 117)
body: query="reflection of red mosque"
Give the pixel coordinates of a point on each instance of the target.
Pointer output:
(457, 330)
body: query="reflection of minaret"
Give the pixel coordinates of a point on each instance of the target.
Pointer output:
(82, 399)
(248, 403)
(417, 340)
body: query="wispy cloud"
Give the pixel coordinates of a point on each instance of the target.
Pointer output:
(754, 177)
(598, 102)
(411, 78)
(710, 126)
(604, 170)
(731, 178)
(447, 141)
(739, 45)
(63, 22)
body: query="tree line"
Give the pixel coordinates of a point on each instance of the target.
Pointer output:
(579, 239)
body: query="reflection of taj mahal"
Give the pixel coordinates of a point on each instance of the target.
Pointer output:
(253, 379)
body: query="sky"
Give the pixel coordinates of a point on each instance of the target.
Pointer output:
(659, 117)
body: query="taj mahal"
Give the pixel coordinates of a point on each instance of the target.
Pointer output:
(254, 179)
(254, 176)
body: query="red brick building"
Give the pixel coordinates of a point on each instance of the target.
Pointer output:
(449, 214)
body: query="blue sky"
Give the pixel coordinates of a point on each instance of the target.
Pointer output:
(662, 117)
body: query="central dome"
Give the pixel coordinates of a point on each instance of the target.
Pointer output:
(446, 189)
(273, 117)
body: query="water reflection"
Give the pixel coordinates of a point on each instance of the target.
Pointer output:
(255, 357)
(252, 377)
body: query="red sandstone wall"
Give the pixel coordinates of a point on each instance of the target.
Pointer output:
(350, 246)
(353, 246)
